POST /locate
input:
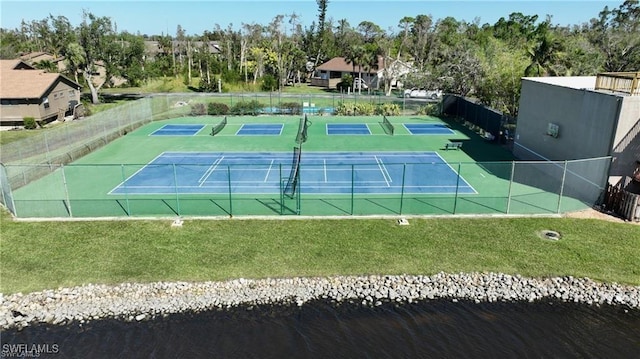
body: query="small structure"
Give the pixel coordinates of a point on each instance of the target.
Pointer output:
(330, 73)
(580, 117)
(28, 92)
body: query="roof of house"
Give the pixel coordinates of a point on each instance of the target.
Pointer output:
(153, 47)
(21, 81)
(341, 64)
(33, 57)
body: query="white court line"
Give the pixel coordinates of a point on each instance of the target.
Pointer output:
(268, 171)
(209, 171)
(121, 184)
(324, 167)
(382, 170)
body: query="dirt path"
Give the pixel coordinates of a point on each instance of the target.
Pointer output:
(592, 213)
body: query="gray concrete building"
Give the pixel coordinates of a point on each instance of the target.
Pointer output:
(570, 118)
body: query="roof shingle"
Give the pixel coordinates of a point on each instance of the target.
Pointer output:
(25, 83)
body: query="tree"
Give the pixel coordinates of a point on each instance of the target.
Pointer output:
(422, 35)
(615, 33)
(94, 37)
(46, 65)
(322, 37)
(502, 69)
(127, 59)
(357, 57)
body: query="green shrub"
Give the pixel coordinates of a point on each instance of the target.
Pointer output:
(29, 123)
(355, 109)
(269, 83)
(252, 107)
(429, 109)
(198, 109)
(291, 108)
(388, 109)
(345, 83)
(216, 109)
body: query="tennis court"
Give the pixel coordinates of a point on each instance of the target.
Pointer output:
(259, 129)
(428, 129)
(244, 165)
(323, 172)
(348, 129)
(178, 130)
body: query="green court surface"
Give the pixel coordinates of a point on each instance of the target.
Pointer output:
(500, 185)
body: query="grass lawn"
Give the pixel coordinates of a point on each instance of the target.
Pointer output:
(48, 255)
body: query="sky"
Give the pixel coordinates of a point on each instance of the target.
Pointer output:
(159, 17)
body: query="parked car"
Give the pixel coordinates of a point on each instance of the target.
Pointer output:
(359, 83)
(421, 93)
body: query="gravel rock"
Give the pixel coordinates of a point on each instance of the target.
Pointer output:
(144, 301)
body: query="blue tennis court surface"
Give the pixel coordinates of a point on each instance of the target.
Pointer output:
(428, 129)
(320, 173)
(348, 129)
(177, 130)
(260, 129)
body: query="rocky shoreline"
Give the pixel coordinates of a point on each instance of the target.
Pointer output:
(145, 301)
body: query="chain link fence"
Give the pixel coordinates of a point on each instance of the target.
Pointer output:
(38, 177)
(83, 190)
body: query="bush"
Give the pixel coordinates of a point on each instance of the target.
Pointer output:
(355, 109)
(342, 86)
(345, 83)
(198, 109)
(29, 123)
(388, 109)
(252, 107)
(269, 83)
(216, 109)
(291, 108)
(430, 109)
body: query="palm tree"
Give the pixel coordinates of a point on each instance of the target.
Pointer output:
(544, 54)
(357, 56)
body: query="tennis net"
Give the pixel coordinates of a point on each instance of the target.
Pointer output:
(388, 126)
(301, 137)
(217, 128)
(294, 176)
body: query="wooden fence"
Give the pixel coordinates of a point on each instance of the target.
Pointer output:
(623, 203)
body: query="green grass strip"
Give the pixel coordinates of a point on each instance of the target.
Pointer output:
(47, 255)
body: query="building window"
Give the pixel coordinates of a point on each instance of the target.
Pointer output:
(71, 93)
(45, 102)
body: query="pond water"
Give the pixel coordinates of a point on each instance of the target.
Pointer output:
(431, 329)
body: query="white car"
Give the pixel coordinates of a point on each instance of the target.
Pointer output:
(359, 83)
(419, 93)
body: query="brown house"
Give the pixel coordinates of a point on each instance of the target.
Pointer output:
(329, 74)
(33, 58)
(27, 92)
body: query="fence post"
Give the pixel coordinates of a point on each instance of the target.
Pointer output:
(564, 175)
(352, 177)
(175, 181)
(404, 168)
(513, 168)
(126, 192)
(66, 190)
(46, 144)
(230, 199)
(455, 200)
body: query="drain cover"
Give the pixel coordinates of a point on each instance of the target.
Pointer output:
(549, 234)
